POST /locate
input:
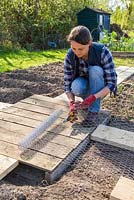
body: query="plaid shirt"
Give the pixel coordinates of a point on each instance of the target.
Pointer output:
(107, 64)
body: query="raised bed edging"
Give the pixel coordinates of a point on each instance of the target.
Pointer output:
(123, 54)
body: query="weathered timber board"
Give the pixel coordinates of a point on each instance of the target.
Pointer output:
(121, 69)
(32, 158)
(25, 113)
(19, 128)
(44, 102)
(124, 190)
(114, 136)
(57, 128)
(45, 144)
(20, 119)
(58, 142)
(17, 132)
(7, 164)
(37, 108)
(32, 119)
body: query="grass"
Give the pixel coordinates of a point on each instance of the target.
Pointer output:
(124, 62)
(22, 59)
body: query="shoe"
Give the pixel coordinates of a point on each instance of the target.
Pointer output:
(90, 120)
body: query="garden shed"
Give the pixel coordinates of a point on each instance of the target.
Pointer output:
(96, 20)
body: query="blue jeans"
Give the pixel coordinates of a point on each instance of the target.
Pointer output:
(83, 87)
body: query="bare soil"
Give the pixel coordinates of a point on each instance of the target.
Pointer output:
(19, 84)
(96, 171)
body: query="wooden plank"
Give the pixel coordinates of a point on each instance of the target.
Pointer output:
(67, 130)
(35, 108)
(10, 136)
(46, 146)
(7, 164)
(4, 105)
(57, 127)
(124, 73)
(121, 69)
(25, 113)
(114, 136)
(52, 149)
(15, 137)
(130, 69)
(57, 101)
(77, 132)
(39, 109)
(120, 80)
(30, 157)
(47, 102)
(51, 144)
(19, 119)
(61, 100)
(16, 128)
(124, 190)
(55, 145)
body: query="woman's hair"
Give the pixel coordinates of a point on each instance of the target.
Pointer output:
(80, 34)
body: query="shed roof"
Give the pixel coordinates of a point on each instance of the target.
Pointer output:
(95, 10)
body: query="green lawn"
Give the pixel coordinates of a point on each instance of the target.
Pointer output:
(11, 60)
(124, 61)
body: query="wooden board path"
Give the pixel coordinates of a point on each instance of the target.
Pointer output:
(52, 151)
(59, 145)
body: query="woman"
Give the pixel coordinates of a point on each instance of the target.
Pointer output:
(89, 73)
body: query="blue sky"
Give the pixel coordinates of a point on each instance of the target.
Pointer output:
(114, 3)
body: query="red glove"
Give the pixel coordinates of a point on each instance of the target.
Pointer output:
(72, 106)
(86, 102)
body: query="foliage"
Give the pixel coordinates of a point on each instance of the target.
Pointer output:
(114, 44)
(31, 24)
(124, 15)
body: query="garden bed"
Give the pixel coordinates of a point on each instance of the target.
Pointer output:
(97, 170)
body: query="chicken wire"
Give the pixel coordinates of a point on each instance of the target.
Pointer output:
(112, 159)
(42, 141)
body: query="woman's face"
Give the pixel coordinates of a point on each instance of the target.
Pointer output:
(80, 50)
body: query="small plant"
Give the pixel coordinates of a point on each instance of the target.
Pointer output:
(120, 88)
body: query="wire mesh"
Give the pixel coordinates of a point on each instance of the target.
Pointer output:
(112, 159)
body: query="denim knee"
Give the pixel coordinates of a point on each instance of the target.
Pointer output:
(79, 86)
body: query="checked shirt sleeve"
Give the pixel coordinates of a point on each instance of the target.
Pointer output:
(110, 75)
(68, 73)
